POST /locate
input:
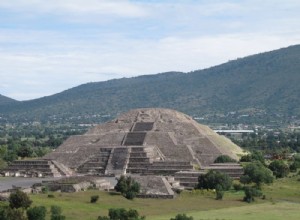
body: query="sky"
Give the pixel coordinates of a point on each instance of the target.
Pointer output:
(47, 46)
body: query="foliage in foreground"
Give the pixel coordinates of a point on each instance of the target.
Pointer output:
(256, 173)
(279, 168)
(182, 217)
(128, 187)
(251, 193)
(19, 199)
(122, 214)
(215, 180)
(224, 159)
(36, 213)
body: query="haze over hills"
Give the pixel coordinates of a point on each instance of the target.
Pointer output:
(265, 82)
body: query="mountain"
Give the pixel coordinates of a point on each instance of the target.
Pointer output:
(265, 82)
(5, 100)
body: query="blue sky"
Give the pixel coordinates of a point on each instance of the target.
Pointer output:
(49, 46)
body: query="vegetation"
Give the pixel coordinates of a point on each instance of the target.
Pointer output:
(56, 213)
(224, 159)
(215, 180)
(251, 193)
(94, 198)
(280, 168)
(128, 187)
(234, 86)
(256, 173)
(281, 200)
(122, 214)
(19, 199)
(36, 213)
(182, 217)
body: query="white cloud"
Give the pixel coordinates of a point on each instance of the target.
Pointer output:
(119, 8)
(42, 53)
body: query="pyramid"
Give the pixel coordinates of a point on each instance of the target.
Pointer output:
(144, 141)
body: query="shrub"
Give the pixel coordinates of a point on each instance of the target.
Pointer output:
(224, 159)
(128, 187)
(56, 213)
(256, 173)
(182, 217)
(36, 213)
(19, 199)
(7, 213)
(215, 180)
(94, 198)
(250, 193)
(122, 214)
(237, 187)
(279, 168)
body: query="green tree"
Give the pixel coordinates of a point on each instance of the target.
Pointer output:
(250, 193)
(128, 187)
(224, 159)
(215, 180)
(122, 214)
(279, 168)
(182, 217)
(25, 151)
(36, 213)
(19, 199)
(7, 213)
(56, 213)
(256, 173)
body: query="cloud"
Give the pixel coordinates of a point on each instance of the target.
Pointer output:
(117, 8)
(49, 46)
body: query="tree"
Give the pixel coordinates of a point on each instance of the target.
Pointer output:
(215, 180)
(19, 199)
(224, 159)
(24, 151)
(254, 156)
(8, 213)
(36, 213)
(56, 213)
(279, 168)
(250, 193)
(122, 214)
(128, 187)
(182, 217)
(256, 173)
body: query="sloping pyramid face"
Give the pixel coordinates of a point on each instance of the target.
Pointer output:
(141, 137)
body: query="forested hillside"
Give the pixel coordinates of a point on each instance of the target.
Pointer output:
(264, 82)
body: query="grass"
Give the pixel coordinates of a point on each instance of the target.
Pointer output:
(282, 202)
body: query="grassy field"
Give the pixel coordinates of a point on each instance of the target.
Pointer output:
(282, 202)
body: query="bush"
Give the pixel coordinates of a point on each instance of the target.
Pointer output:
(7, 213)
(56, 213)
(256, 173)
(45, 189)
(94, 198)
(224, 159)
(237, 187)
(279, 168)
(128, 187)
(182, 217)
(250, 193)
(19, 199)
(122, 214)
(215, 180)
(36, 213)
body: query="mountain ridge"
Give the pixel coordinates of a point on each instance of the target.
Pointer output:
(267, 81)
